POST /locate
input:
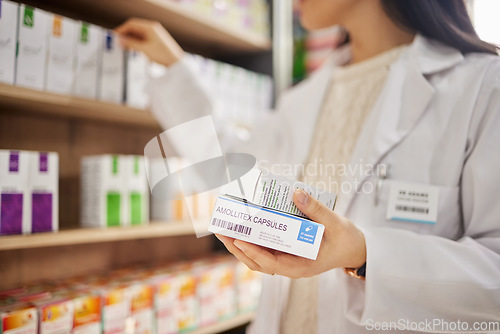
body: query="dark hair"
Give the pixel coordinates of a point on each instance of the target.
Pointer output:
(444, 20)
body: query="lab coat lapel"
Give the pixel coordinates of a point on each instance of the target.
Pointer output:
(401, 104)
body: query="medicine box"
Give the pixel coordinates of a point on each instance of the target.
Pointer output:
(16, 317)
(111, 83)
(61, 54)
(44, 192)
(173, 204)
(8, 40)
(256, 224)
(166, 297)
(225, 276)
(32, 47)
(15, 201)
(55, 314)
(248, 287)
(116, 308)
(88, 56)
(274, 191)
(142, 307)
(207, 291)
(103, 186)
(188, 303)
(87, 314)
(137, 80)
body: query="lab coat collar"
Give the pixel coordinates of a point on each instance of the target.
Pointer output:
(432, 56)
(401, 104)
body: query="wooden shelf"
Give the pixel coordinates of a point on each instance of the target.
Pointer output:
(19, 99)
(222, 326)
(95, 235)
(194, 31)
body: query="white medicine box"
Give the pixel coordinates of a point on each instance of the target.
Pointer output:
(137, 80)
(61, 54)
(111, 85)
(8, 40)
(104, 188)
(32, 47)
(88, 57)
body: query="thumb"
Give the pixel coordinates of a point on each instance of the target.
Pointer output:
(312, 208)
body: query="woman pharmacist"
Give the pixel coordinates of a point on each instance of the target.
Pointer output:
(415, 91)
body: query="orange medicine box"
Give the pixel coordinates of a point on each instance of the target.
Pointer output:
(55, 315)
(167, 287)
(115, 305)
(142, 310)
(18, 317)
(87, 314)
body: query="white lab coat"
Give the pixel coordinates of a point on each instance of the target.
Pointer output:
(436, 122)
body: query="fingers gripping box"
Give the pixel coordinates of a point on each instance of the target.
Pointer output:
(265, 215)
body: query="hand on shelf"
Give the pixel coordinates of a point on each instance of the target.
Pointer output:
(151, 38)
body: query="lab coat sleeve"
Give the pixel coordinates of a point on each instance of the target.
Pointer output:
(177, 97)
(420, 278)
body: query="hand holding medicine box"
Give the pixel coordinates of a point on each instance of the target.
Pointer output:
(265, 214)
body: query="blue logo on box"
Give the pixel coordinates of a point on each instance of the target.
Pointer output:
(307, 232)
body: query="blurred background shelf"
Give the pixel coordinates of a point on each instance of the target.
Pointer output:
(95, 235)
(222, 326)
(194, 31)
(19, 99)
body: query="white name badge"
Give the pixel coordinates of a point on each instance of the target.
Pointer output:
(413, 202)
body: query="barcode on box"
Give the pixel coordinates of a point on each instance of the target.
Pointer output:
(232, 227)
(411, 209)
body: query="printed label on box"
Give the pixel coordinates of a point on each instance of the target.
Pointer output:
(57, 318)
(113, 209)
(29, 17)
(41, 205)
(21, 321)
(14, 162)
(307, 232)
(87, 318)
(11, 217)
(135, 208)
(44, 162)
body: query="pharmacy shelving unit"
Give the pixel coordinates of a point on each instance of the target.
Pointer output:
(195, 32)
(73, 127)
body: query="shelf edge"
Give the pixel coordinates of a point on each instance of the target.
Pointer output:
(95, 235)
